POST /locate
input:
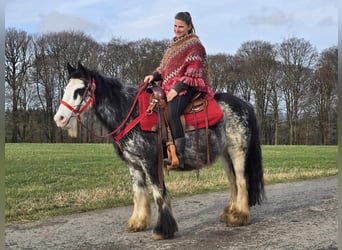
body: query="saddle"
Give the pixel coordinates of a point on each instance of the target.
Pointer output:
(199, 113)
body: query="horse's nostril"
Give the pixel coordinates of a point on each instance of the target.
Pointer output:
(60, 119)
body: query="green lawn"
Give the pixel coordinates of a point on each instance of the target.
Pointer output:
(52, 179)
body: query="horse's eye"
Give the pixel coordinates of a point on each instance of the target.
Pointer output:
(78, 92)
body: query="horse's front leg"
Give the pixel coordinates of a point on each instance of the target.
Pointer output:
(141, 217)
(166, 224)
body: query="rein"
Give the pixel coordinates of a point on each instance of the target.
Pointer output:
(120, 131)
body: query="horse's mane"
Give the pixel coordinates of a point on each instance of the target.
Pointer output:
(110, 87)
(107, 81)
(113, 99)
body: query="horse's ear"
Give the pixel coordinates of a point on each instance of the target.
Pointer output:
(79, 65)
(82, 69)
(70, 68)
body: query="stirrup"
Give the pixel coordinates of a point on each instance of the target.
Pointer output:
(172, 162)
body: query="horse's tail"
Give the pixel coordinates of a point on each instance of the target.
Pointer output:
(253, 167)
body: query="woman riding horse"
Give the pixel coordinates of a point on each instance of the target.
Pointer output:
(183, 72)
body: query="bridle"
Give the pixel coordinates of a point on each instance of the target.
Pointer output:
(91, 100)
(120, 131)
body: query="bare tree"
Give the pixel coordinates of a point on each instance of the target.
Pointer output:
(297, 57)
(116, 59)
(259, 70)
(275, 97)
(273, 77)
(223, 73)
(52, 52)
(17, 63)
(144, 58)
(131, 61)
(324, 94)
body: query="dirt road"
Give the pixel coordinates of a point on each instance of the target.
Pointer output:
(300, 215)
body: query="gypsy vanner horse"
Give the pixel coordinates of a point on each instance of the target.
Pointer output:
(235, 140)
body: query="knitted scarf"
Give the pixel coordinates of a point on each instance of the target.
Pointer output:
(186, 61)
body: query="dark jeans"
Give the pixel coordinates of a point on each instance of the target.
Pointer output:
(176, 107)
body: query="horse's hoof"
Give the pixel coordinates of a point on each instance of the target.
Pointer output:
(233, 217)
(224, 216)
(136, 228)
(238, 218)
(156, 236)
(132, 229)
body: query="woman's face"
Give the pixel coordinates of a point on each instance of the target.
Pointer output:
(181, 28)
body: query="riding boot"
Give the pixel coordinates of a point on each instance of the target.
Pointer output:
(180, 148)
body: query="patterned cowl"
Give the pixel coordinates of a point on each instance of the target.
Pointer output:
(186, 61)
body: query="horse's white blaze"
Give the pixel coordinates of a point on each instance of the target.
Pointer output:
(64, 117)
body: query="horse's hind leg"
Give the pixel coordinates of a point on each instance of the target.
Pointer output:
(141, 217)
(166, 224)
(237, 212)
(228, 168)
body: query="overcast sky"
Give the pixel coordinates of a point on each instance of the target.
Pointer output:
(222, 25)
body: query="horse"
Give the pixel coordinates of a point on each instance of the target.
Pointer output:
(234, 139)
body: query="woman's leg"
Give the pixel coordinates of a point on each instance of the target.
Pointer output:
(176, 108)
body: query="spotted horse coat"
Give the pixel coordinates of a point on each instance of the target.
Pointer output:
(235, 140)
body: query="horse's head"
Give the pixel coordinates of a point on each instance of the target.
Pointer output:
(77, 98)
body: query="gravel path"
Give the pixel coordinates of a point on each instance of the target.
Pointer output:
(298, 215)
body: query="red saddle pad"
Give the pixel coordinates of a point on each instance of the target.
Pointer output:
(150, 122)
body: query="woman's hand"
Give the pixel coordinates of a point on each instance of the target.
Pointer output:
(148, 78)
(172, 94)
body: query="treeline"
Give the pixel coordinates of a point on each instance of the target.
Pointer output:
(292, 86)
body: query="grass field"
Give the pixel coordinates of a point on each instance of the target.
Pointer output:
(52, 179)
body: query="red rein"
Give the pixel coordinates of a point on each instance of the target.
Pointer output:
(120, 130)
